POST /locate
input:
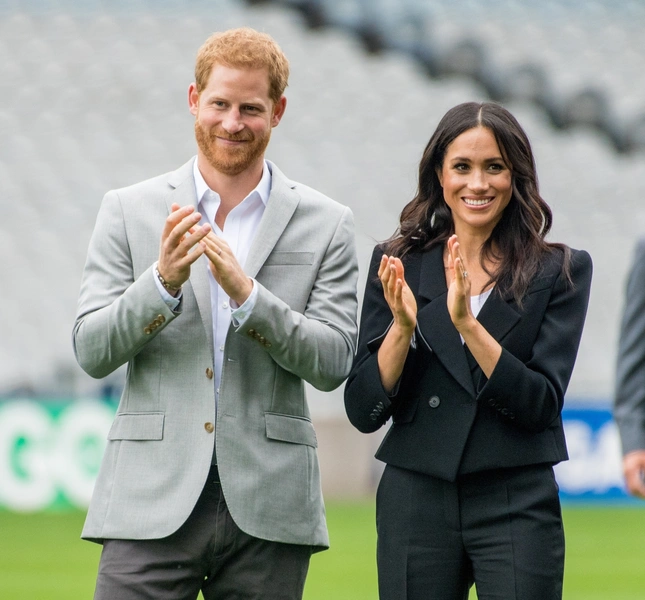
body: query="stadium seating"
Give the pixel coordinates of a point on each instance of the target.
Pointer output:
(93, 96)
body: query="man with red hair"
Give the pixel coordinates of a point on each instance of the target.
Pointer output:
(224, 286)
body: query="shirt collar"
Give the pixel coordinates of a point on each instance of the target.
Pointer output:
(262, 189)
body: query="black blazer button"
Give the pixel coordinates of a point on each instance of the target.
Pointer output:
(434, 402)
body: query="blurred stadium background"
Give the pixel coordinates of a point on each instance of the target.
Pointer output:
(94, 96)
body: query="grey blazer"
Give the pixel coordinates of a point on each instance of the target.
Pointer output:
(303, 328)
(629, 400)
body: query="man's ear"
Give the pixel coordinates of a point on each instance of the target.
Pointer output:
(193, 99)
(278, 111)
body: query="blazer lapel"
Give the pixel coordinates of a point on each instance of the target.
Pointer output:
(433, 319)
(184, 193)
(498, 316)
(280, 207)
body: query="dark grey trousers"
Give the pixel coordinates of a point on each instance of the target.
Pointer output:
(208, 553)
(500, 529)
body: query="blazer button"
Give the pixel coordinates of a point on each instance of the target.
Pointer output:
(209, 373)
(434, 402)
(251, 332)
(209, 427)
(147, 330)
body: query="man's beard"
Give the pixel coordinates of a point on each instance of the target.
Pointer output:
(230, 160)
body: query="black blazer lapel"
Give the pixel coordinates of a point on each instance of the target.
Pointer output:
(498, 316)
(434, 325)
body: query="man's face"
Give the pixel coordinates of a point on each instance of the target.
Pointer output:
(234, 117)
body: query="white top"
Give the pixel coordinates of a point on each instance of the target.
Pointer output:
(476, 303)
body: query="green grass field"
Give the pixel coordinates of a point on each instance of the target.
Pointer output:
(42, 557)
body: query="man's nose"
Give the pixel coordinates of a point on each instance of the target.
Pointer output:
(232, 122)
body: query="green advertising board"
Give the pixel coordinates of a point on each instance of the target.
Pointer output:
(50, 452)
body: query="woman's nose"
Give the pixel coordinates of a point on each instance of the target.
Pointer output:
(478, 181)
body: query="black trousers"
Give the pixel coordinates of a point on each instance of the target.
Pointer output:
(500, 529)
(208, 553)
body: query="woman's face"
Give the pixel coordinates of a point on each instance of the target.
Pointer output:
(476, 181)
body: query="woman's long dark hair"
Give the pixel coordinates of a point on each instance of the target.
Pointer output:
(517, 243)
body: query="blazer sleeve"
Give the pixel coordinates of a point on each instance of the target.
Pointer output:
(629, 399)
(367, 404)
(117, 314)
(318, 344)
(531, 392)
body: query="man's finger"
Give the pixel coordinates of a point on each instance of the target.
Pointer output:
(192, 237)
(179, 231)
(176, 216)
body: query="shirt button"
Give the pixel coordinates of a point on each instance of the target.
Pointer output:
(221, 348)
(434, 402)
(224, 304)
(209, 427)
(209, 373)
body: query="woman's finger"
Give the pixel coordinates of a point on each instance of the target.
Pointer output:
(382, 265)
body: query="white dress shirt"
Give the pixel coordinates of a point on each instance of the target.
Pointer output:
(239, 232)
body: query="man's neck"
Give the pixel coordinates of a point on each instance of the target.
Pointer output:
(232, 189)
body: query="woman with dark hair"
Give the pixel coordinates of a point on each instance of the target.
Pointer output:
(470, 326)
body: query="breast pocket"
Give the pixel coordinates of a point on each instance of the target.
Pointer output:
(278, 258)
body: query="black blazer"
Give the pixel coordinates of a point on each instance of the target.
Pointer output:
(448, 418)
